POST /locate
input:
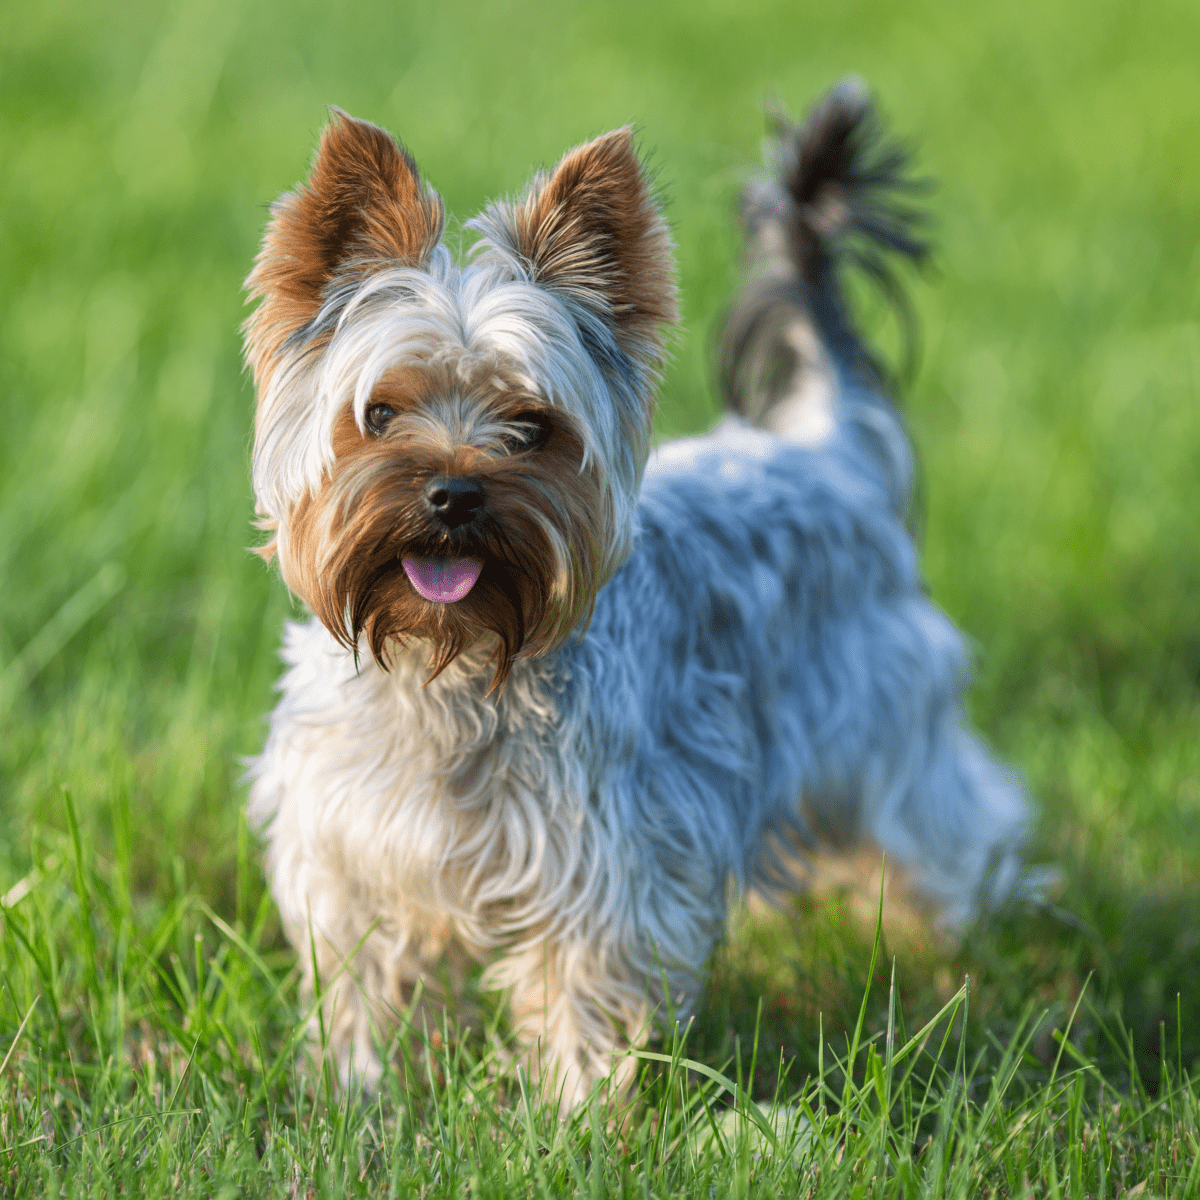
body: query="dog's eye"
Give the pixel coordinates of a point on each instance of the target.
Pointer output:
(527, 431)
(378, 416)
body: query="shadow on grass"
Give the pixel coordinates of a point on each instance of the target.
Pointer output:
(794, 970)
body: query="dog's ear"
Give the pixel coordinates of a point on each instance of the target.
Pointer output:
(364, 207)
(592, 231)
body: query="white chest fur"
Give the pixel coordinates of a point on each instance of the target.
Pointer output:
(412, 797)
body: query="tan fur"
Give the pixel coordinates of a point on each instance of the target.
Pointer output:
(342, 550)
(364, 205)
(593, 228)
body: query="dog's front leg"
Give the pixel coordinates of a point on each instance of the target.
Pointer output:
(577, 1009)
(361, 975)
(583, 1001)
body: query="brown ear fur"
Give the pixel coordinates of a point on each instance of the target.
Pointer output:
(364, 203)
(593, 228)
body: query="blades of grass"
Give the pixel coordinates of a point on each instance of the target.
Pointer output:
(822, 1087)
(200, 1008)
(242, 876)
(889, 1043)
(960, 1057)
(1075, 1137)
(41, 1137)
(314, 1008)
(1045, 1114)
(17, 1035)
(712, 1122)
(595, 1177)
(531, 1134)
(166, 929)
(276, 982)
(187, 996)
(181, 1112)
(216, 997)
(23, 887)
(889, 1049)
(862, 1008)
(1135, 1082)
(919, 1038)
(754, 1046)
(1067, 1032)
(1164, 1068)
(1076, 1055)
(1179, 1038)
(1098, 1152)
(319, 1011)
(247, 1019)
(744, 1107)
(661, 1137)
(445, 1131)
(268, 1100)
(958, 998)
(1193, 1175)
(121, 821)
(265, 906)
(665, 1143)
(400, 1039)
(44, 972)
(58, 631)
(183, 1074)
(85, 904)
(1011, 1058)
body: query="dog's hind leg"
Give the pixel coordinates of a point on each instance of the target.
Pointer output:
(899, 766)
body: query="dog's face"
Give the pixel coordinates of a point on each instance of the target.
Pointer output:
(452, 452)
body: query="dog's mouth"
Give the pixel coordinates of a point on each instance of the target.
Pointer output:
(442, 580)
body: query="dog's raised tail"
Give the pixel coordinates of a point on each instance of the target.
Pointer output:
(841, 195)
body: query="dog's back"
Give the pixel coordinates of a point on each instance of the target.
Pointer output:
(787, 671)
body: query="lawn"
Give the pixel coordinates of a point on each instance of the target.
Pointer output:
(150, 1027)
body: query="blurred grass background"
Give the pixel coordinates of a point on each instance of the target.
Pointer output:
(1055, 407)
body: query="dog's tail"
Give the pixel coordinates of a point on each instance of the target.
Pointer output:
(841, 195)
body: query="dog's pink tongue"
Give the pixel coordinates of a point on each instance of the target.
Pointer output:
(442, 579)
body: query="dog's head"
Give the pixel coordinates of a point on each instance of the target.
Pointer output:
(451, 452)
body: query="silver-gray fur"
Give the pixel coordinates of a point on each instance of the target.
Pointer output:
(764, 667)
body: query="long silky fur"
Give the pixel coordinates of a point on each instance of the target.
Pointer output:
(763, 664)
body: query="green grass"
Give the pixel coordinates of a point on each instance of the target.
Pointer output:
(162, 1056)
(1056, 410)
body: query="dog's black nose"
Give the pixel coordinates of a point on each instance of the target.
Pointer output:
(453, 500)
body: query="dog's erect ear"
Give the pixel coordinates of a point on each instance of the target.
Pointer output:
(364, 207)
(592, 230)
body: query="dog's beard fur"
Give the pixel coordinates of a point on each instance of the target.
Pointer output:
(542, 533)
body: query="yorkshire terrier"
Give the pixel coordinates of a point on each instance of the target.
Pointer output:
(558, 691)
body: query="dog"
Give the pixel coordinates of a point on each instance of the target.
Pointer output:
(557, 692)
